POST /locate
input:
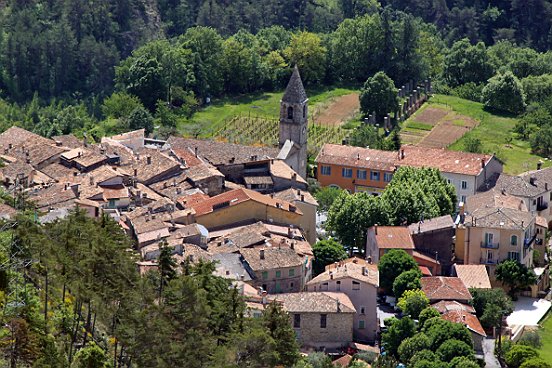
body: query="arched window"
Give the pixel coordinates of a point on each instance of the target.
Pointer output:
(304, 111)
(290, 112)
(514, 240)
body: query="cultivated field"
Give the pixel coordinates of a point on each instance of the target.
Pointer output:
(262, 131)
(494, 132)
(208, 121)
(436, 126)
(337, 111)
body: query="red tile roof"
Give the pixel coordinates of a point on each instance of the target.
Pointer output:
(445, 288)
(393, 237)
(335, 154)
(445, 306)
(467, 319)
(238, 196)
(444, 160)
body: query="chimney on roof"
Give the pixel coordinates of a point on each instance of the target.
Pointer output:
(262, 254)
(532, 180)
(483, 163)
(91, 180)
(148, 159)
(10, 146)
(376, 229)
(293, 177)
(338, 306)
(369, 259)
(402, 154)
(358, 156)
(539, 165)
(196, 151)
(58, 143)
(364, 271)
(135, 173)
(292, 245)
(242, 277)
(302, 198)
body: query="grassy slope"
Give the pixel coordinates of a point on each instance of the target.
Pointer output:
(546, 338)
(261, 104)
(493, 131)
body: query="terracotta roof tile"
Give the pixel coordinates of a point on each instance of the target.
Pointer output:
(221, 153)
(237, 196)
(445, 288)
(466, 319)
(16, 136)
(473, 276)
(273, 258)
(500, 218)
(494, 198)
(394, 237)
(444, 160)
(361, 271)
(334, 154)
(316, 302)
(69, 141)
(280, 169)
(444, 306)
(292, 195)
(150, 163)
(437, 223)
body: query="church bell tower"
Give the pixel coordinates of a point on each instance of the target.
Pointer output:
(293, 124)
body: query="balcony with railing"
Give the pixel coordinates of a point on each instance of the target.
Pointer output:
(489, 245)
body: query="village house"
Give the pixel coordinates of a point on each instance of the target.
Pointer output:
(496, 227)
(322, 321)
(355, 169)
(307, 204)
(381, 239)
(275, 269)
(465, 171)
(534, 188)
(245, 206)
(440, 288)
(472, 324)
(359, 280)
(473, 276)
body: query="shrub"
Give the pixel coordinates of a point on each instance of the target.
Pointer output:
(531, 338)
(423, 355)
(518, 354)
(463, 362)
(535, 363)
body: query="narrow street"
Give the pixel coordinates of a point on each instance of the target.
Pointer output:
(488, 350)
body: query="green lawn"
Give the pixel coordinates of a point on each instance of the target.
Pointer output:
(266, 105)
(494, 131)
(546, 337)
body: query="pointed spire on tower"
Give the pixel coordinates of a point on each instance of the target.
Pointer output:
(295, 92)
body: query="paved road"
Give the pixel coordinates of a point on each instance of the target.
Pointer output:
(488, 350)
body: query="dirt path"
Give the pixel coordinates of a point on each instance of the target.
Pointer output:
(338, 110)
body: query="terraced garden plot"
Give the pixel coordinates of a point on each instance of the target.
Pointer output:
(436, 126)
